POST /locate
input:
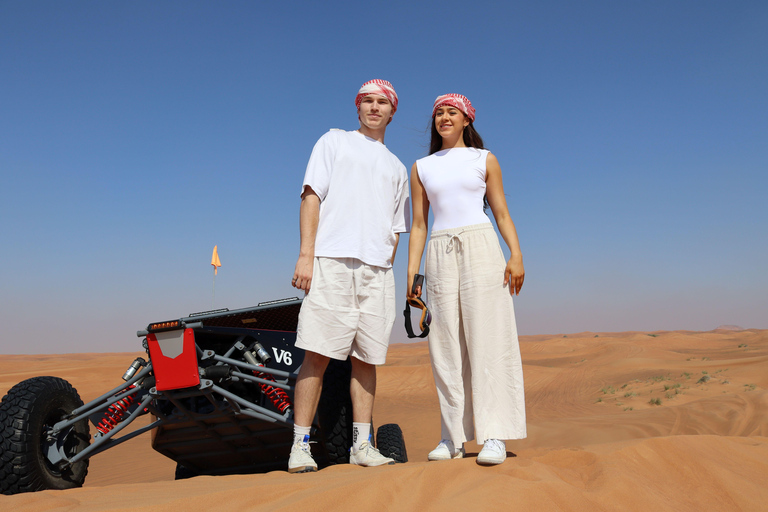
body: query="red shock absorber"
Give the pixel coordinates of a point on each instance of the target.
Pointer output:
(277, 396)
(116, 412)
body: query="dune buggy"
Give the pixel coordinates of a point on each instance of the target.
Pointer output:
(218, 387)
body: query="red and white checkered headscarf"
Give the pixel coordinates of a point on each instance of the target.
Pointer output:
(380, 87)
(455, 100)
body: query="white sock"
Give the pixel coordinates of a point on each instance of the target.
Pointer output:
(361, 433)
(300, 434)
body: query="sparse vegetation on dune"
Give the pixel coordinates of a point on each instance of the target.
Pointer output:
(672, 387)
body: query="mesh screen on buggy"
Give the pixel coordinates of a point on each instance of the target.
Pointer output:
(276, 316)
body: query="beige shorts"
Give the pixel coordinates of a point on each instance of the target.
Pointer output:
(349, 310)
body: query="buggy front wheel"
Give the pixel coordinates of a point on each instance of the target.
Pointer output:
(32, 457)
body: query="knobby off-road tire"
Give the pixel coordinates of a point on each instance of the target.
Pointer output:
(390, 442)
(26, 412)
(183, 472)
(335, 412)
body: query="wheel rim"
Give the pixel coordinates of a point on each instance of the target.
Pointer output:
(62, 447)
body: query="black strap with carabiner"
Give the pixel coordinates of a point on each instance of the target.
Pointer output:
(426, 316)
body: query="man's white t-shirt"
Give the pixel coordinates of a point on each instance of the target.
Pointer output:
(364, 197)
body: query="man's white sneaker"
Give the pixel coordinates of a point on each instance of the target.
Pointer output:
(494, 452)
(367, 455)
(301, 460)
(445, 451)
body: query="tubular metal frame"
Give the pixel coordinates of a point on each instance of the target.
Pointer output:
(150, 400)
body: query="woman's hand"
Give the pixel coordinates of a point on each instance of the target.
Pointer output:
(409, 287)
(514, 275)
(418, 236)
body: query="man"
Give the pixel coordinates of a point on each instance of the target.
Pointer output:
(354, 205)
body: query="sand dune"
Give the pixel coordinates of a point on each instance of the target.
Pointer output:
(596, 442)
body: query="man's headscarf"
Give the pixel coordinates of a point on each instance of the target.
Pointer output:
(455, 100)
(380, 87)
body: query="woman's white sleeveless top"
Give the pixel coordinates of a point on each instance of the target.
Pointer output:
(454, 180)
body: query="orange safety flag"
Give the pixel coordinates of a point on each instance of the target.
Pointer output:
(215, 260)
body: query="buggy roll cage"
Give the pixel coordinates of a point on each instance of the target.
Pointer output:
(243, 360)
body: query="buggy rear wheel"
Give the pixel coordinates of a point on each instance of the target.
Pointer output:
(390, 442)
(183, 472)
(27, 414)
(335, 412)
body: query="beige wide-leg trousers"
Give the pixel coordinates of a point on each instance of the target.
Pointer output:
(473, 337)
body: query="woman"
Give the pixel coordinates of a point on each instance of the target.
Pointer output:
(473, 337)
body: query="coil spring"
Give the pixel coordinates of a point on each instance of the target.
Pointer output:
(116, 412)
(277, 396)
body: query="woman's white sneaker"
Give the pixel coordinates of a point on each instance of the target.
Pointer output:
(494, 452)
(445, 451)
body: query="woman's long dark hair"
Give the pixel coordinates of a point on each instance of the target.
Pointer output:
(472, 139)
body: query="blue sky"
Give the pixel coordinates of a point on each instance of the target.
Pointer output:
(135, 136)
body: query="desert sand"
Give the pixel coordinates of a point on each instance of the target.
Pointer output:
(595, 439)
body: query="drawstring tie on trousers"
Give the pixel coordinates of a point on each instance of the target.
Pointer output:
(455, 241)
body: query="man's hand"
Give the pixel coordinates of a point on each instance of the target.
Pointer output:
(302, 276)
(309, 217)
